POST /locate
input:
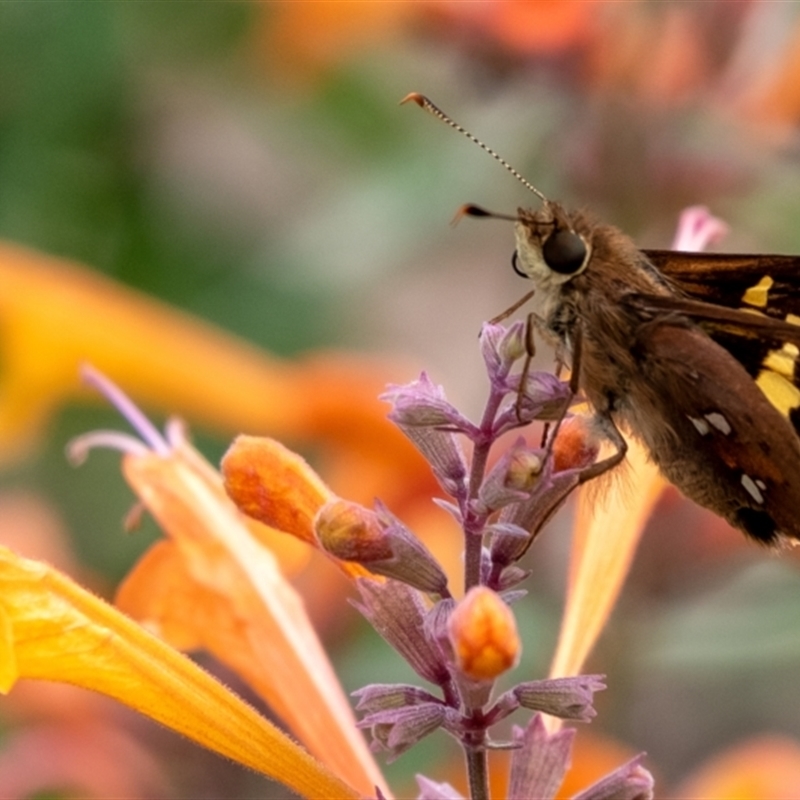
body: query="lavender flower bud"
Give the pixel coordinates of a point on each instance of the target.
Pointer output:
(513, 477)
(501, 347)
(383, 696)
(379, 541)
(398, 615)
(396, 730)
(567, 698)
(508, 578)
(421, 411)
(489, 339)
(538, 766)
(509, 598)
(532, 514)
(507, 530)
(544, 397)
(631, 781)
(512, 345)
(437, 627)
(506, 548)
(422, 403)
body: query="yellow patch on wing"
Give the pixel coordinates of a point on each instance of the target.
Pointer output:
(759, 294)
(793, 319)
(783, 361)
(782, 393)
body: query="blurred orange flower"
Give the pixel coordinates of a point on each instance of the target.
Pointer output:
(54, 315)
(693, 52)
(761, 767)
(301, 40)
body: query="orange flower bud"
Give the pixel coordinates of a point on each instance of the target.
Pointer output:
(270, 483)
(523, 470)
(484, 635)
(576, 445)
(351, 532)
(380, 542)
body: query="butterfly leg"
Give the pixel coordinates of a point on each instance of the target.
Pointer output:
(548, 439)
(602, 419)
(530, 352)
(611, 432)
(511, 309)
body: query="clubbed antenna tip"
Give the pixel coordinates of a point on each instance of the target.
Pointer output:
(432, 108)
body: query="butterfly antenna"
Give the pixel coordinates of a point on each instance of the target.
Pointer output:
(424, 102)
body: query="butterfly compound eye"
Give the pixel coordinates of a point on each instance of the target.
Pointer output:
(564, 252)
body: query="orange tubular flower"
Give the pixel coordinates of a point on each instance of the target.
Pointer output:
(605, 540)
(277, 488)
(213, 585)
(51, 629)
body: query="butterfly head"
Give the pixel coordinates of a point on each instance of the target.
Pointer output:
(550, 250)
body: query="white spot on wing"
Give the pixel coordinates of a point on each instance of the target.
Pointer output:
(700, 424)
(753, 490)
(719, 422)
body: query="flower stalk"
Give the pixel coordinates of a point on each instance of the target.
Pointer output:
(464, 646)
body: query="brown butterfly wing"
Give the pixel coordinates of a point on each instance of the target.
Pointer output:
(726, 279)
(724, 443)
